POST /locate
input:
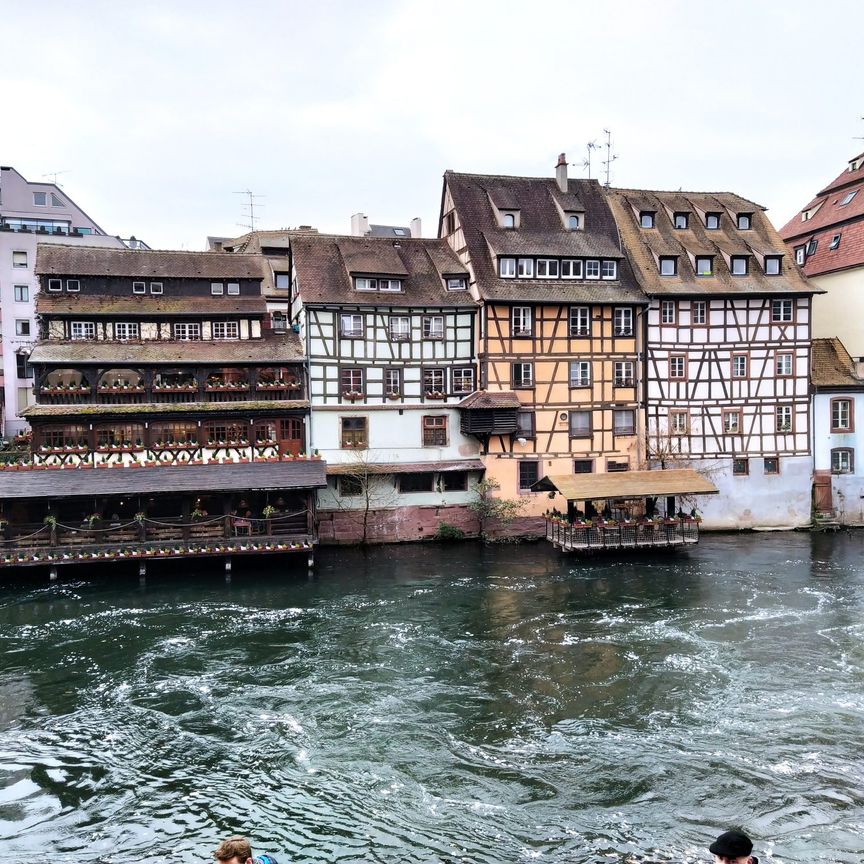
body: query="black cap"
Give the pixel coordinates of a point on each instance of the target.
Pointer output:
(731, 844)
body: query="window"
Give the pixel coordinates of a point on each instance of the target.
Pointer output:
(279, 321)
(739, 365)
(842, 416)
(365, 283)
(463, 380)
(624, 421)
(126, 330)
(810, 248)
(781, 310)
(783, 418)
(434, 381)
(699, 311)
(580, 424)
(679, 422)
(681, 221)
(217, 288)
(392, 382)
(450, 223)
(799, 256)
(835, 242)
(399, 328)
(19, 259)
(525, 268)
(351, 326)
(187, 332)
(283, 281)
(732, 422)
(354, 432)
(389, 284)
(529, 473)
(580, 373)
(547, 268)
(571, 268)
(508, 220)
(423, 481)
(712, 221)
(614, 465)
(772, 265)
(155, 287)
(351, 382)
(22, 293)
(623, 373)
(23, 369)
(520, 320)
(233, 288)
(456, 284)
(848, 197)
(137, 288)
(40, 199)
(704, 265)
(573, 222)
(226, 330)
(350, 486)
(507, 268)
(622, 321)
(22, 327)
(525, 424)
(454, 481)
(82, 330)
(646, 219)
(580, 321)
(842, 460)
(73, 285)
(583, 466)
(523, 374)
(55, 201)
(678, 367)
(771, 465)
(669, 265)
(592, 269)
(745, 221)
(435, 431)
(667, 311)
(55, 284)
(609, 270)
(740, 467)
(433, 326)
(783, 364)
(739, 265)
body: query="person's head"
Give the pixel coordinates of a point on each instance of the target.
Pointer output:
(234, 850)
(732, 847)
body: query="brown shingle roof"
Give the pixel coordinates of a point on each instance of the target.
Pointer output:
(832, 366)
(627, 484)
(483, 399)
(273, 349)
(407, 467)
(541, 231)
(54, 259)
(646, 245)
(148, 306)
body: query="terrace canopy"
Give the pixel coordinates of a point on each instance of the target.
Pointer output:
(626, 484)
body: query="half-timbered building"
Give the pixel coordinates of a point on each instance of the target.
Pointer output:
(157, 360)
(560, 334)
(727, 350)
(389, 327)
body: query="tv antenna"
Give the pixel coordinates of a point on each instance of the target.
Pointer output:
(54, 175)
(586, 163)
(610, 157)
(249, 208)
(859, 137)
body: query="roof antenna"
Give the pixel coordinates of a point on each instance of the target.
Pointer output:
(54, 175)
(249, 209)
(859, 137)
(610, 157)
(586, 163)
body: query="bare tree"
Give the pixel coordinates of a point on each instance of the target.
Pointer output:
(489, 507)
(365, 489)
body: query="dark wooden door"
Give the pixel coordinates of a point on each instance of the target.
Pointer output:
(822, 497)
(291, 436)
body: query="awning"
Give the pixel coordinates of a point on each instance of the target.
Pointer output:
(356, 468)
(627, 484)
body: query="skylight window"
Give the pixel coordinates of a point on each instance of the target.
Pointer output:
(835, 242)
(848, 197)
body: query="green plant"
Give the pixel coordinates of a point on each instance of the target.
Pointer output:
(488, 507)
(449, 532)
(268, 512)
(50, 520)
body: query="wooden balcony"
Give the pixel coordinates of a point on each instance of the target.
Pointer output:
(601, 535)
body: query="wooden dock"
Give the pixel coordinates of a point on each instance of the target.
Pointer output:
(592, 537)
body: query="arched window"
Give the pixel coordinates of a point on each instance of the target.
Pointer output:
(573, 222)
(509, 220)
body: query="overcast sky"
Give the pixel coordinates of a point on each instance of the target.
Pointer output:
(159, 112)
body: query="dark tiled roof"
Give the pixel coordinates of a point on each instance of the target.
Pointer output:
(148, 306)
(91, 410)
(645, 245)
(846, 177)
(61, 260)
(408, 467)
(325, 264)
(541, 231)
(296, 474)
(273, 349)
(483, 399)
(832, 366)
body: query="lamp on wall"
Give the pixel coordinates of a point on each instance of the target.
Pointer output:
(521, 441)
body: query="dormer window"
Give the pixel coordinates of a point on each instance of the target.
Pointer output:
(55, 284)
(571, 268)
(217, 288)
(835, 242)
(509, 219)
(525, 268)
(704, 265)
(456, 283)
(574, 222)
(592, 269)
(848, 197)
(800, 256)
(547, 268)
(155, 287)
(738, 265)
(669, 265)
(609, 270)
(772, 265)
(73, 285)
(681, 221)
(233, 288)
(712, 221)
(745, 221)
(365, 283)
(507, 268)
(646, 218)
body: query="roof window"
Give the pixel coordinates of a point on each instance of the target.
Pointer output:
(712, 221)
(811, 247)
(646, 218)
(848, 197)
(681, 221)
(745, 221)
(835, 242)
(509, 219)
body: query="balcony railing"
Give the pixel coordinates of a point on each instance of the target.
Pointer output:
(601, 534)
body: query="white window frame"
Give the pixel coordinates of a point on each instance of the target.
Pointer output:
(19, 259)
(232, 289)
(187, 331)
(731, 421)
(668, 311)
(125, 330)
(524, 377)
(582, 430)
(677, 367)
(21, 293)
(139, 287)
(434, 380)
(609, 270)
(580, 373)
(574, 265)
(225, 330)
(351, 325)
(781, 311)
(55, 285)
(620, 315)
(43, 202)
(712, 217)
(618, 427)
(770, 263)
(844, 461)
(737, 370)
(547, 268)
(668, 265)
(82, 330)
(699, 312)
(783, 364)
(800, 256)
(156, 288)
(73, 286)
(739, 265)
(744, 217)
(679, 422)
(507, 268)
(520, 321)
(783, 419)
(365, 283)
(841, 415)
(524, 268)
(19, 327)
(592, 268)
(217, 289)
(433, 327)
(399, 328)
(623, 374)
(648, 219)
(463, 379)
(580, 316)
(456, 283)
(391, 286)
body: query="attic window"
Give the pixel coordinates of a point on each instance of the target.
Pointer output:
(574, 223)
(712, 221)
(508, 219)
(646, 219)
(835, 242)
(811, 247)
(40, 199)
(400, 232)
(55, 284)
(848, 197)
(739, 265)
(799, 255)
(745, 221)
(456, 284)
(363, 283)
(668, 265)
(138, 288)
(55, 201)
(682, 221)
(772, 265)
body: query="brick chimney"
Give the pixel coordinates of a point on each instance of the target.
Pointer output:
(561, 172)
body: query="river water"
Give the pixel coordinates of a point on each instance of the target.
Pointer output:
(451, 703)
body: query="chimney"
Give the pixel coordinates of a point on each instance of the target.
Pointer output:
(859, 368)
(359, 225)
(561, 172)
(415, 227)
